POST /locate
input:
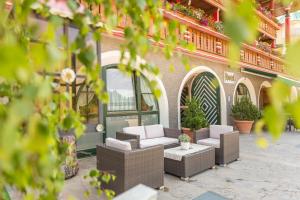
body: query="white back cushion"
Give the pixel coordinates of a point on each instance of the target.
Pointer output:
(136, 130)
(216, 130)
(154, 131)
(157, 141)
(210, 142)
(118, 144)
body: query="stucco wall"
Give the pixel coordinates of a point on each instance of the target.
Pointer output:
(173, 80)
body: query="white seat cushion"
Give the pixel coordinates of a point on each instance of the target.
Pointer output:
(136, 130)
(156, 141)
(154, 131)
(210, 142)
(118, 144)
(216, 130)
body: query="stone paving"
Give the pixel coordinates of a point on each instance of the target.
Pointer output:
(268, 174)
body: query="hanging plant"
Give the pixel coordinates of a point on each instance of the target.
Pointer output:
(189, 11)
(219, 27)
(204, 21)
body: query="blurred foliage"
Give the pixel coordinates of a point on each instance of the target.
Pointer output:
(96, 178)
(35, 105)
(33, 110)
(241, 25)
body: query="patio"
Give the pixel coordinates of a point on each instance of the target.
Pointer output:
(260, 174)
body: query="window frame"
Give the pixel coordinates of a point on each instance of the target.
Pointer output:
(138, 94)
(236, 92)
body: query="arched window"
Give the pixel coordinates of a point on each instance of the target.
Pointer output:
(241, 91)
(132, 102)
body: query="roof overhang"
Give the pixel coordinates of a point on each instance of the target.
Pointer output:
(259, 73)
(287, 80)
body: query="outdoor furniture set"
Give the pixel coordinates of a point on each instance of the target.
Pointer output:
(142, 154)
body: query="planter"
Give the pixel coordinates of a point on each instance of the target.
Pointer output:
(185, 145)
(190, 133)
(70, 166)
(244, 126)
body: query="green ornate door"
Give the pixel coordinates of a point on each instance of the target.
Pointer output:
(206, 90)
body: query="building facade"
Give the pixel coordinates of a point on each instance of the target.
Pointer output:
(210, 80)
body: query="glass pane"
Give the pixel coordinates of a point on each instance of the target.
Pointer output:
(241, 91)
(114, 124)
(42, 24)
(149, 119)
(121, 91)
(89, 141)
(87, 104)
(148, 102)
(145, 86)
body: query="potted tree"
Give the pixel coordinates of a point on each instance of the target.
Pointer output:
(184, 140)
(193, 118)
(244, 114)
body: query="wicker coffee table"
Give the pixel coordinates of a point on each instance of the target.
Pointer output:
(186, 163)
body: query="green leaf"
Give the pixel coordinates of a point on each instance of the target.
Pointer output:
(275, 121)
(293, 59)
(87, 56)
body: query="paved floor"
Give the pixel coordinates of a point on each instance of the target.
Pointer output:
(273, 173)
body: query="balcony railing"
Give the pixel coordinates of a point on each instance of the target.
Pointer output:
(217, 3)
(210, 44)
(267, 26)
(217, 44)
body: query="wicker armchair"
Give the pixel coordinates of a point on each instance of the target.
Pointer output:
(145, 166)
(168, 132)
(228, 149)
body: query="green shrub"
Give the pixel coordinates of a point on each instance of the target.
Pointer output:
(245, 110)
(194, 117)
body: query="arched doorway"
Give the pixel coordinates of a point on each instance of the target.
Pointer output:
(244, 88)
(264, 99)
(195, 79)
(206, 90)
(241, 92)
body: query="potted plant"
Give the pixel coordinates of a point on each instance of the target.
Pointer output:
(184, 140)
(196, 14)
(219, 27)
(244, 114)
(193, 118)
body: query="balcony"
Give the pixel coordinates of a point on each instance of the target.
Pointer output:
(267, 26)
(214, 45)
(216, 3)
(210, 44)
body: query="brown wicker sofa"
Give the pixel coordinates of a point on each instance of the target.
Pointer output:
(226, 144)
(133, 167)
(167, 136)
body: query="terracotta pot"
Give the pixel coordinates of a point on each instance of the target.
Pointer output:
(189, 132)
(244, 126)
